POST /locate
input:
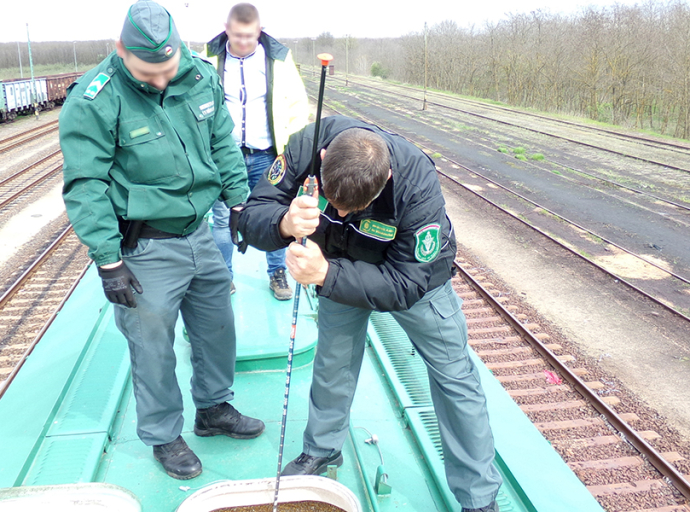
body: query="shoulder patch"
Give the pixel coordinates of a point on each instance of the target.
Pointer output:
(427, 243)
(96, 85)
(277, 171)
(378, 229)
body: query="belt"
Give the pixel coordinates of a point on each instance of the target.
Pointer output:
(254, 151)
(149, 232)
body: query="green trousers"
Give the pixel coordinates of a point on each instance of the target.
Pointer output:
(179, 275)
(437, 328)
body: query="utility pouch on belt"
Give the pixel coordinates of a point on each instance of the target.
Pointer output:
(130, 230)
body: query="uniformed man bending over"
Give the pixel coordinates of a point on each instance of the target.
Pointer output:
(379, 239)
(148, 148)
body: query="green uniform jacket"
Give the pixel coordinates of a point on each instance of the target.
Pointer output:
(134, 152)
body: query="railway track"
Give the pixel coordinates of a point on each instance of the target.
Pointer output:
(515, 119)
(651, 186)
(625, 459)
(546, 226)
(19, 139)
(25, 180)
(29, 305)
(11, 194)
(617, 451)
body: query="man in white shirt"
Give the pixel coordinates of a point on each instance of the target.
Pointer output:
(267, 102)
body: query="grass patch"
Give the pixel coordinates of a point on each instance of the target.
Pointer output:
(594, 238)
(537, 156)
(521, 157)
(557, 172)
(503, 149)
(519, 150)
(436, 155)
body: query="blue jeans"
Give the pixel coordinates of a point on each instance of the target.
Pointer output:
(257, 165)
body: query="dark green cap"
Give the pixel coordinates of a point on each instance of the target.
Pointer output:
(149, 32)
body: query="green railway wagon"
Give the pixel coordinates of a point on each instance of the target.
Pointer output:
(68, 435)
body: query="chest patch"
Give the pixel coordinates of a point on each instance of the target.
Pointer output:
(427, 243)
(139, 132)
(96, 85)
(378, 229)
(207, 108)
(277, 171)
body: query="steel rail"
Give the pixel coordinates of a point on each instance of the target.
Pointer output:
(522, 126)
(28, 139)
(22, 134)
(31, 185)
(610, 242)
(625, 187)
(540, 231)
(573, 251)
(6, 383)
(627, 432)
(27, 169)
(565, 166)
(656, 143)
(9, 293)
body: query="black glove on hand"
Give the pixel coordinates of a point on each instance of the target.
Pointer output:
(235, 213)
(118, 283)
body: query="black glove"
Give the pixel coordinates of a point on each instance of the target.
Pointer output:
(118, 283)
(235, 212)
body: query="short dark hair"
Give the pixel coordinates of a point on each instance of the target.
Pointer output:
(243, 13)
(355, 169)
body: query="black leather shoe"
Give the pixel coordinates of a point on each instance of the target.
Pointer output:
(223, 419)
(310, 465)
(491, 507)
(178, 459)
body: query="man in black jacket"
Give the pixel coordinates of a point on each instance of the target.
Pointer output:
(379, 239)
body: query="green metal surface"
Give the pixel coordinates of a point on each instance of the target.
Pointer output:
(263, 323)
(530, 468)
(74, 415)
(39, 388)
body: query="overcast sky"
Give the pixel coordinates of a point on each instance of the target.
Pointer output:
(199, 20)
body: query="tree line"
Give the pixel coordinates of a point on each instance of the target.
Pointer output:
(626, 65)
(87, 53)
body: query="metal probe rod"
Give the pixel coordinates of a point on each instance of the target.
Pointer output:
(325, 59)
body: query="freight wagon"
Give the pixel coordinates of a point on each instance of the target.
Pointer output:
(22, 96)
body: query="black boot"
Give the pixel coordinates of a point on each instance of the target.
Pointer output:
(310, 465)
(178, 459)
(491, 507)
(224, 419)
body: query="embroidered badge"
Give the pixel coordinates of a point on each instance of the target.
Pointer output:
(427, 243)
(96, 85)
(277, 171)
(378, 229)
